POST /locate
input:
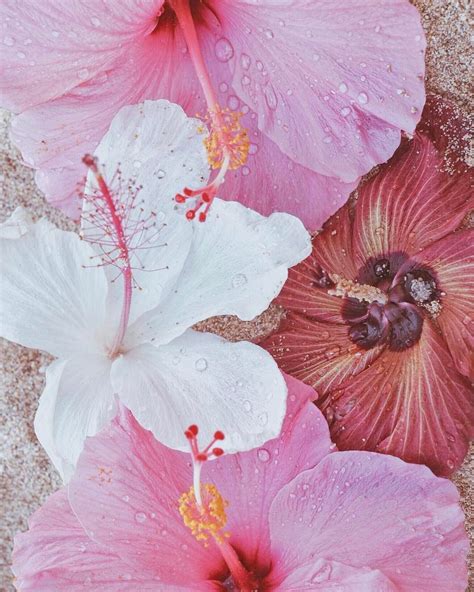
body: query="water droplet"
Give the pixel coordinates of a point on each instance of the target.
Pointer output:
(245, 61)
(263, 455)
(83, 73)
(332, 352)
(233, 103)
(363, 98)
(247, 405)
(223, 50)
(343, 87)
(239, 280)
(8, 41)
(140, 517)
(201, 365)
(259, 65)
(270, 97)
(322, 575)
(345, 111)
(160, 173)
(95, 21)
(269, 34)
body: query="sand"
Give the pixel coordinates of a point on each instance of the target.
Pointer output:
(27, 477)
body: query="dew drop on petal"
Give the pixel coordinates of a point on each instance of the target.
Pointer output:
(322, 575)
(247, 405)
(239, 280)
(201, 365)
(263, 455)
(223, 49)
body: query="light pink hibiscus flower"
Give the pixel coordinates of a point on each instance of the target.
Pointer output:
(380, 317)
(324, 88)
(297, 517)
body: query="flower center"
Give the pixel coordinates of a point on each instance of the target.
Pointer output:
(228, 143)
(391, 316)
(203, 510)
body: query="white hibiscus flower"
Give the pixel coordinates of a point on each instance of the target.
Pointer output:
(116, 306)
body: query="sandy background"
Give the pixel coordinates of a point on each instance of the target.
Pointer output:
(26, 476)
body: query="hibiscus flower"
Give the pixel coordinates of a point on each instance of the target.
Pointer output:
(290, 516)
(379, 317)
(117, 308)
(324, 88)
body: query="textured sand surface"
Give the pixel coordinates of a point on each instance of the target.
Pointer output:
(26, 475)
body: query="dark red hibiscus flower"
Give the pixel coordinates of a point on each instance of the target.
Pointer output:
(380, 318)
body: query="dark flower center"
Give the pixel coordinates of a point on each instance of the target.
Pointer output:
(398, 320)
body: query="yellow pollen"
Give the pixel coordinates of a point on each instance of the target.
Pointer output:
(227, 137)
(207, 520)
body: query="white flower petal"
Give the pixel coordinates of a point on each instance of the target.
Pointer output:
(76, 403)
(201, 379)
(48, 300)
(237, 264)
(154, 150)
(16, 225)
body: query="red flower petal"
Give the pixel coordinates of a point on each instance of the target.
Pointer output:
(412, 404)
(420, 195)
(452, 261)
(319, 354)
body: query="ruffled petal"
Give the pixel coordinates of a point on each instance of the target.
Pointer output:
(54, 136)
(421, 195)
(76, 403)
(320, 354)
(411, 404)
(151, 151)
(237, 264)
(332, 85)
(452, 261)
(51, 298)
(266, 470)
(201, 379)
(56, 554)
(125, 493)
(56, 47)
(367, 510)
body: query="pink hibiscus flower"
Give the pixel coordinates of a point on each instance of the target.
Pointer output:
(379, 317)
(289, 516)
(324, 88)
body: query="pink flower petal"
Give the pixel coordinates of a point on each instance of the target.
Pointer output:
(412, 404)
(125, 493)
(372, 511)
(251, 480)
(321, 574)
(56, 47)
(56, 554)
(332, 85)
(452, 261)
(421, 195)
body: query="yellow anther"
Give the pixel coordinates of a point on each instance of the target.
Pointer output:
(227, 136)
(207, 520)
